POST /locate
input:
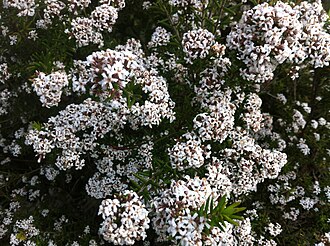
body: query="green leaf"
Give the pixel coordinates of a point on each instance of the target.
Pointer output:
(135, 184)
(21, 236)
(36, 125)
(222, 203)
(236, 217)
(237, 210)
(231, 221)
(207, 205)
(228, 10)
(212, 206)
(140, 178)
(201, 210)
(218, 4)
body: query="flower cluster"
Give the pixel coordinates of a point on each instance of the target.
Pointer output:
(4, 73)
(189, 154)
(52, 10)
(24, 230)
(5, 96)
(267, 36)
(186, 3)
(104, 17)
(125, 219)
(25, 8)
(49, 87)
(241, 172)
(108, 74)
(60, 131)
(160, 37)
(217, 124)
(197, 44)
(174, 210)
(118, 165)
(87, 30)
(83, 32)
(109, 71)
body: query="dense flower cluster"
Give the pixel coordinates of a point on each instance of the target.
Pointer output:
(89, 29)
(118, 165)
(53, 9)
(160, 37)
(60, 131)
(25, 8)
(217, 124)
(189, 154)
(267, 36)
(49, 87)
(125, 219)
(197, 43)
(108, 72)
(174, 210)
(85, 30)
(82, 30)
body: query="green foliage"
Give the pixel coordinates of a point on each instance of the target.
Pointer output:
(217, 215)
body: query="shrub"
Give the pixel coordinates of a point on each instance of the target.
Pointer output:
(165, 122)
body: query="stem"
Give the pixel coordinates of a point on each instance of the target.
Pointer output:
(172, 22)
(203, 15)
(294, 91)
(220, 15)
